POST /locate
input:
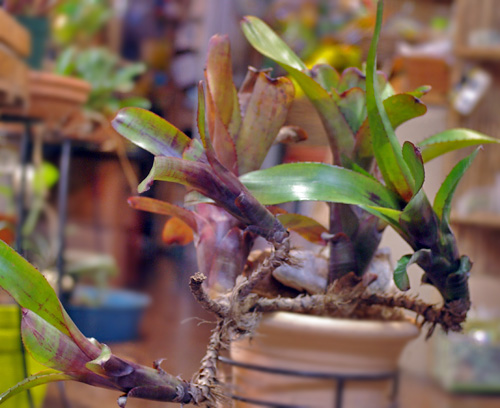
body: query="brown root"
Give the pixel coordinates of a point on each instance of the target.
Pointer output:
(240, 310)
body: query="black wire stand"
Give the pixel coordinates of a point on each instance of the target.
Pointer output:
(26, 137)
(338, 382)
(64, 169)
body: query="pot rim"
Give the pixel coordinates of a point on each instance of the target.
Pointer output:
(50, 79)
(341, 327)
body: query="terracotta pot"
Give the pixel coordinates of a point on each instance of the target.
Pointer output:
(14, 46)
(54, 98)
(326, 346)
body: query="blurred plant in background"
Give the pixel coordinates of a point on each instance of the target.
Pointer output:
(30, 7)
(76, 25)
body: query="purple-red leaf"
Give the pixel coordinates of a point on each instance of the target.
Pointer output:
(218, 135)
(219, 79)
(49, 346)
(164, 208)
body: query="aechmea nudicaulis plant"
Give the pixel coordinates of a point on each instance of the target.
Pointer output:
(372, 183)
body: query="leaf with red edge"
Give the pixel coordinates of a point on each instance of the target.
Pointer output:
(161, 207)
(49, 346)
(218, 139)
(176, 231)
(352, 105)
(326, 76)
(151, 132)
(219, 79)
(246, 88)
(306, 227)
(265, 114)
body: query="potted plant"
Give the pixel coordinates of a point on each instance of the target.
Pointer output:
(229, 195)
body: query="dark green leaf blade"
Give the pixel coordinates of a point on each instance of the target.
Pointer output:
(400, 274)
(317, 182)
(413, 159)
(452, 139)
(442, 201)
(400, 108)
(385, 144)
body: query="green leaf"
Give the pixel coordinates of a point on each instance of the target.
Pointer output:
(306, 227)
(164, 208)
(30, 290)
(413, 159)
(402, 107)
(400, 272)
(352, 105)
(400, 275)
(265, 114)
(420, 222)
(385, 144)
(135, 102)
(265, 40)
(442, 201)
(326, 76)
(65, 63)
(150, 132)
(45, 177)
(452, 139)
(43, 377)
(399, 108)
(317, 182)
(420, 91)
(388, 215)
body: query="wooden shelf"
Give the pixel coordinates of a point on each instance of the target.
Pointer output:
(479, 53)
(480, 220)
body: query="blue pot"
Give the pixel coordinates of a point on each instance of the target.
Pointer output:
(109, 315)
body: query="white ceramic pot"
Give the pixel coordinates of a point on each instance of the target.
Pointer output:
(320, 345)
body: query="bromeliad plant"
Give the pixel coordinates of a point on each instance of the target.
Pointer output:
(373, 182)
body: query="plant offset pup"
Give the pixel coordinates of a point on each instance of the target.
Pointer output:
(372, 183)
